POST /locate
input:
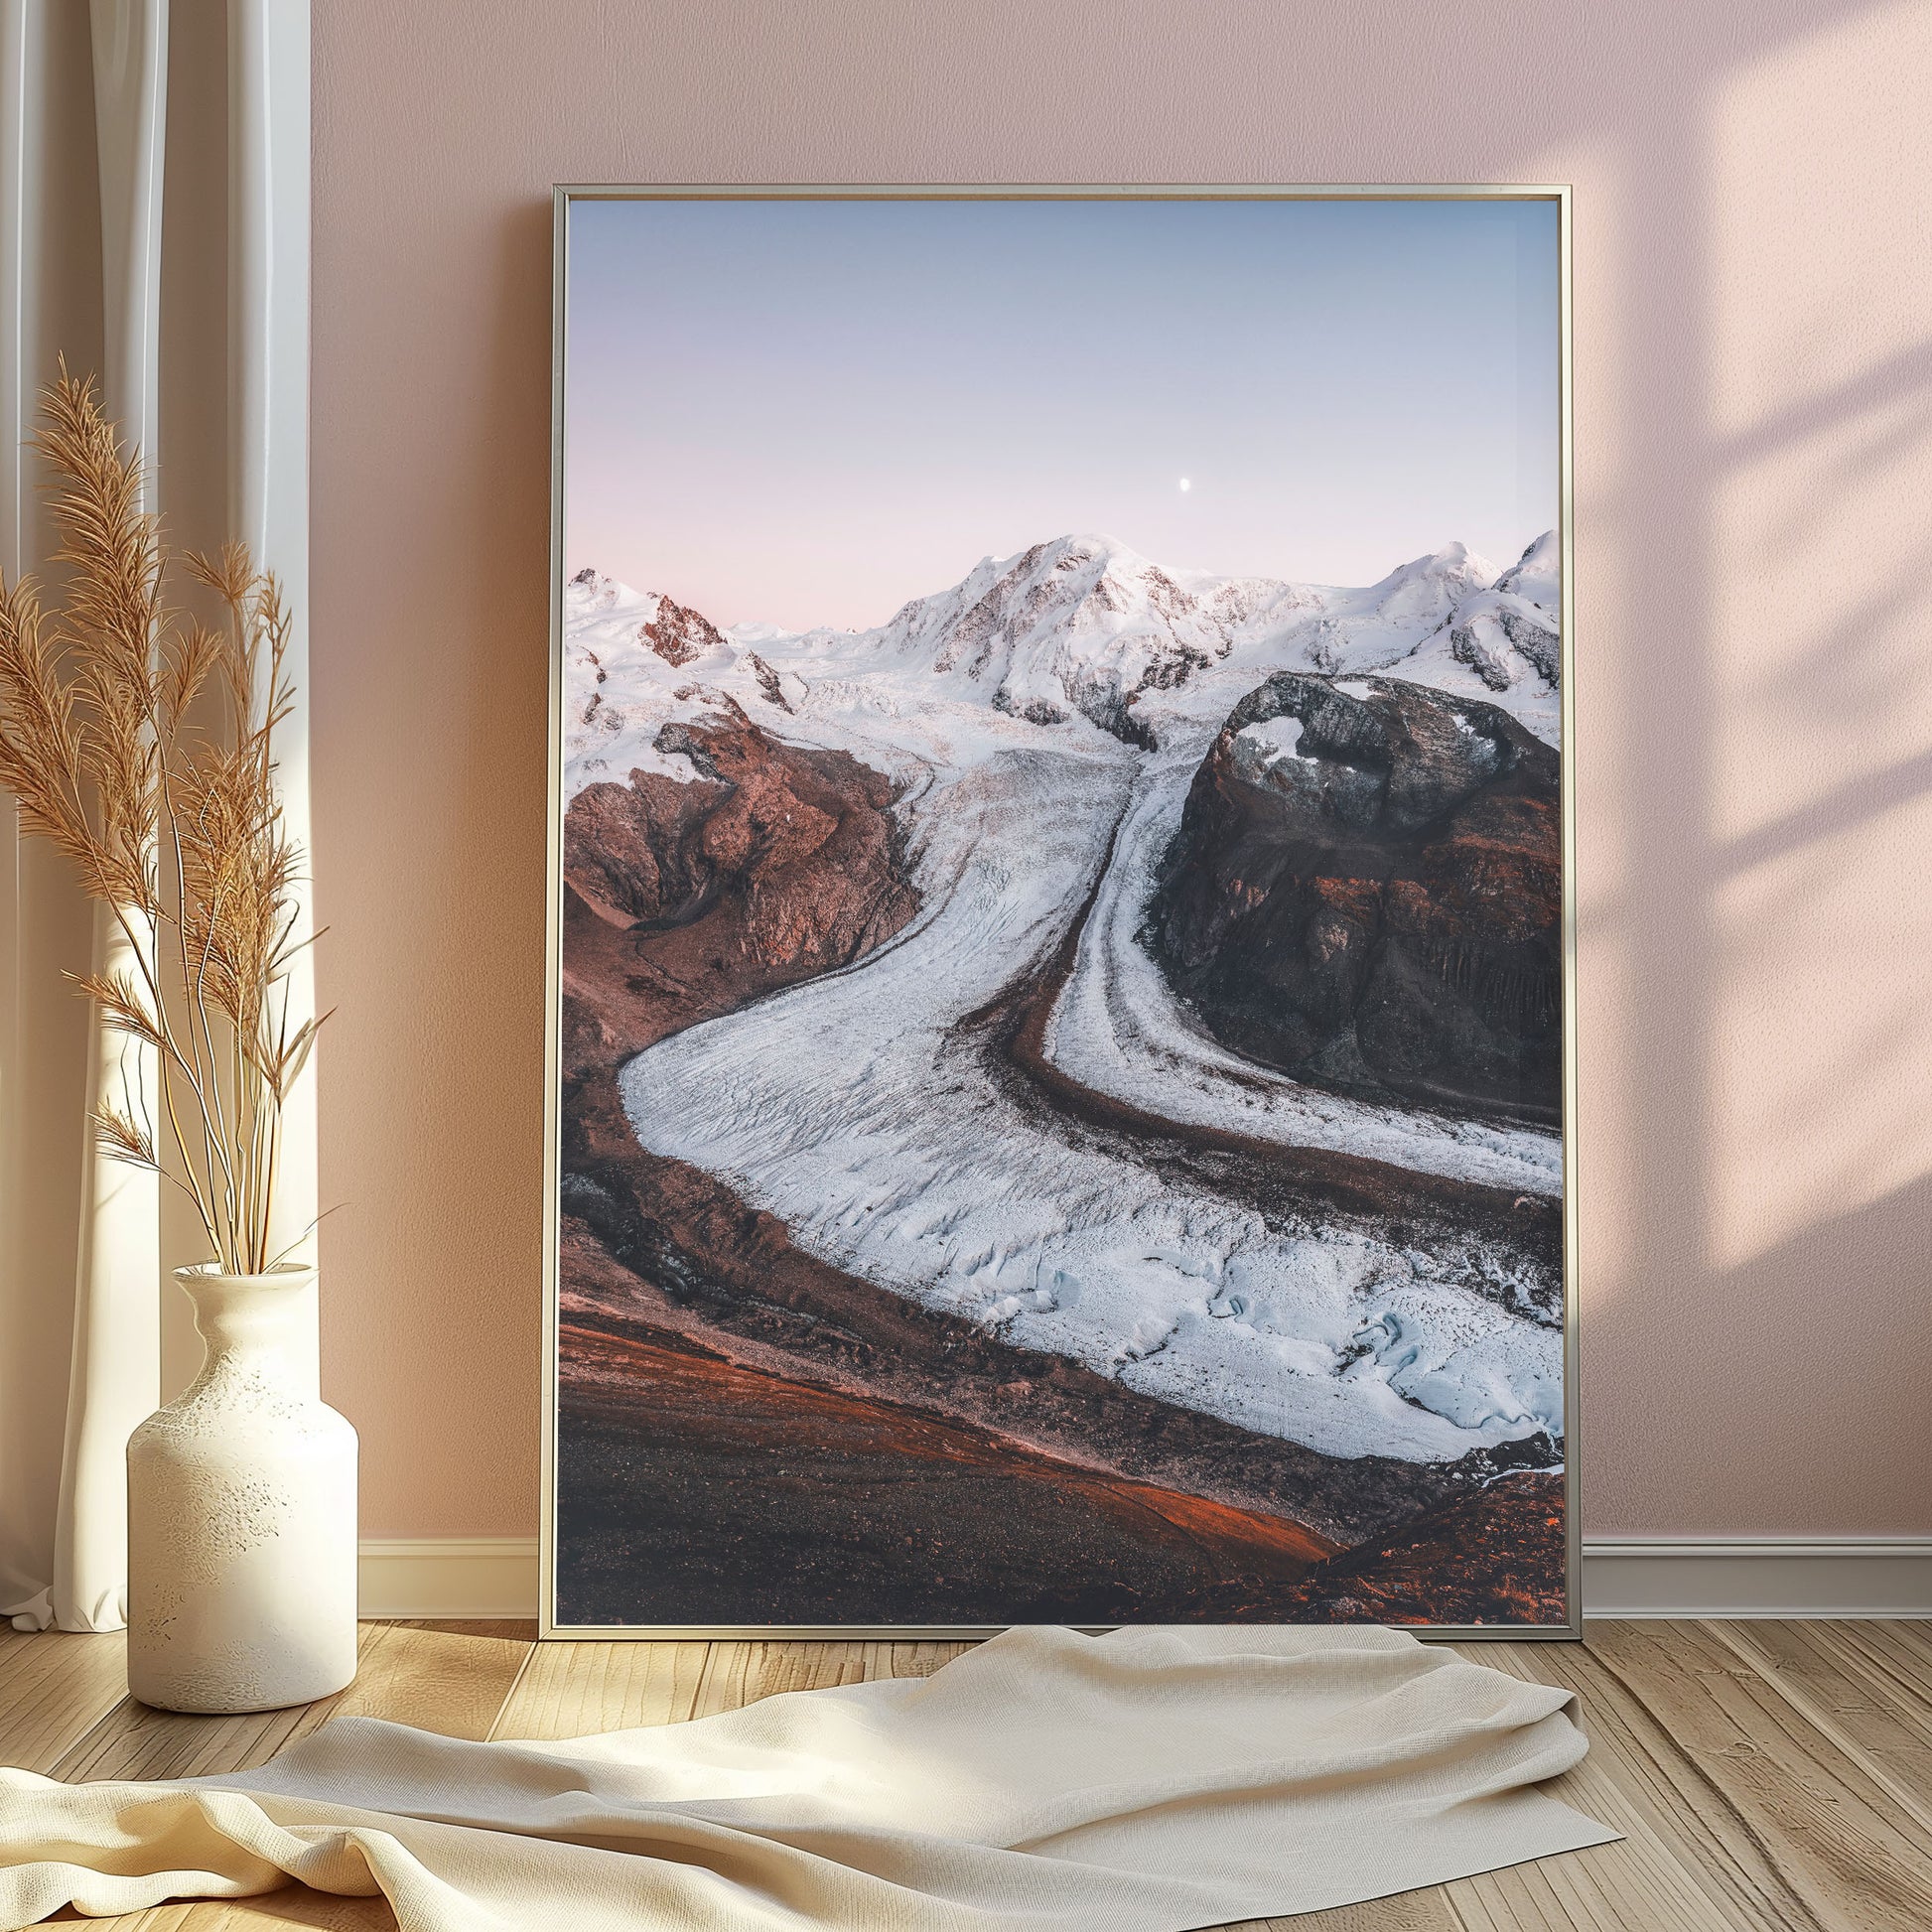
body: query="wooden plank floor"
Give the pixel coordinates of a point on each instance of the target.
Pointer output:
(1769, 1777)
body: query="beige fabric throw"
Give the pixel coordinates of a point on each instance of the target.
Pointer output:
(1046, 1781)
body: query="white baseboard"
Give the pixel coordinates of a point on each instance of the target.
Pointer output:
(448, 1576)
(1651, 1576)
(1758, 1576)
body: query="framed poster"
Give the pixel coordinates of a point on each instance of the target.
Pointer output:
(1061, 1066)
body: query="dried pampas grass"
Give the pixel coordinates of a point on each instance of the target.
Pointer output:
(176, 827)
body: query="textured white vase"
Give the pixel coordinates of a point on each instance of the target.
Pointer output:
(242, 1514)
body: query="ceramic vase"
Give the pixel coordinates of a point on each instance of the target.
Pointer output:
(241, 1513)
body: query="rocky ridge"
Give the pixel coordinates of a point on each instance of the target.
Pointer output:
(685, 897)
(1365, 891)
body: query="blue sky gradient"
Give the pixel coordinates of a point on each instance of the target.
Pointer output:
(807, 413)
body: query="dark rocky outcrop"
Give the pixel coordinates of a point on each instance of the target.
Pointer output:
(1537, 645)
(770, 682)
(678, 635)
(1494, 1556)
(1366, 892)
(685, 900)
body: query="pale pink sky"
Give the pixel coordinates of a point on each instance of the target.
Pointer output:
(808, 412)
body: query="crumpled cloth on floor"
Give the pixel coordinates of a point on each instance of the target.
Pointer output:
(1149, 1780)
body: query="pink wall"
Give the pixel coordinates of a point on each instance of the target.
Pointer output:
(1754, 645)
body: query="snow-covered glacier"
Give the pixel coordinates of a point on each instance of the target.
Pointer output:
(1045, 719)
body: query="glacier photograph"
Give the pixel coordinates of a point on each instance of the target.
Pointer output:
(1060, 1056)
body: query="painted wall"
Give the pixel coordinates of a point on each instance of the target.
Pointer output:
(1754, 653)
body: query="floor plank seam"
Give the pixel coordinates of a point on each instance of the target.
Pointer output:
(515, 1683)
(1891, 1683)
(76, 1748)
(1789, 1899)
(1821, 1722)
(1733, 1895)
(1886, 1680)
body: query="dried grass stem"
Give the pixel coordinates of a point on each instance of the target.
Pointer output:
(172, 821)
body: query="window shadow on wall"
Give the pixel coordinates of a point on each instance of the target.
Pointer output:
(1755, 731)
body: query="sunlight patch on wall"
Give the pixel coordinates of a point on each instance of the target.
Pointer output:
(1821, 379)
(1822, 1052)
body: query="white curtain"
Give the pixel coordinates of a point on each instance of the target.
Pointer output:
(154, 226)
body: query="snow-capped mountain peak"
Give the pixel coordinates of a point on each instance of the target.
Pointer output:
(1500, 635)
(590, 591)
(1079, 624)
(1536, 575)
(1429, 588)
(1094, 586)
(607, 616)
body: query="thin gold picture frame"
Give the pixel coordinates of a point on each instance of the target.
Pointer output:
(563, 198)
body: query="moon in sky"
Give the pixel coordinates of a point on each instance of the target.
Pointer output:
(1185, 484)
